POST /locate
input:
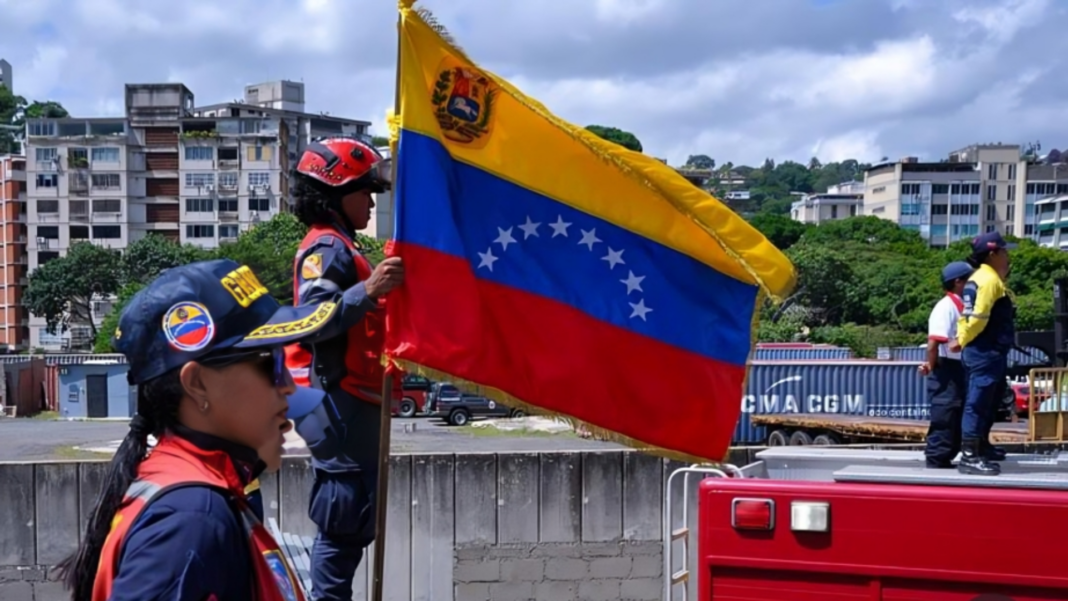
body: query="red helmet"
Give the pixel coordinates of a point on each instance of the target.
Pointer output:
(345, 162)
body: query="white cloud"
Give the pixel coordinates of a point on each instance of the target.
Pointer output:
(739, 80)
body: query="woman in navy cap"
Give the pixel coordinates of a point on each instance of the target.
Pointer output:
(946, 378)
(204, 343)
(986, 332)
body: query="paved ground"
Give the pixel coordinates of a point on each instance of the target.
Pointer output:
(41, 439)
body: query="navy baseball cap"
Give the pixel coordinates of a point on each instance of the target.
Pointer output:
(990, 241)
(956, 270)
(208, 308)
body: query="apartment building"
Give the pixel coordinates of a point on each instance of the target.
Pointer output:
(838, 202)
(14, 326)
(192, 174)
(980, 188)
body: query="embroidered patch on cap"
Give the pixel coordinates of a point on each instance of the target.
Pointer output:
(188, 326)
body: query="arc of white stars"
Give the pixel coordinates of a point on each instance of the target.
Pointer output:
(590, 238)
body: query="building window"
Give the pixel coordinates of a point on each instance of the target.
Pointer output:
(46, 155)
(228, 154)
(110, 205)
(47, 180)
(990, 227)
(45, 256)
(910, 189)
(79, 232)
(105, 155)
(227, 232)
(259, 178)
(1010, 212)
(200, 231)
(991, 191)
(42, 128)
(940, 189)
(1011, 192)
(47, 206)
(48, 232)
(1009, 229)
(228, 180)
(107, 232)
(878, 190)
(834, 211)
(199, 153)
(78, 158)
(259, 204)
(79, 208)
(258, 153)
(969, 209)
(227, 205)
(199, 205)
(853, 210)
(939, 209)
(106, 181)
(992, 171)
(1029, 229)
(199, 180)
(991, 213)
(1012, 171)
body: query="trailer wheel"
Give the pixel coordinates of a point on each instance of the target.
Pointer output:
(800, 438)
(826, 440)
(778, 438)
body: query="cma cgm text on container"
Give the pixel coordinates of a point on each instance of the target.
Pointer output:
(870, 388)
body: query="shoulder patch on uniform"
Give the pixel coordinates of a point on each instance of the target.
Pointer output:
(312, 267)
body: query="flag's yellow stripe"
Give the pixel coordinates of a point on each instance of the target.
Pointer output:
(528, 146)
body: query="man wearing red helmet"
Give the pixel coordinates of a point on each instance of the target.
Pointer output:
(331, 189)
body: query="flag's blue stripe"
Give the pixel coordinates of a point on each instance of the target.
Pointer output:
(457, 209)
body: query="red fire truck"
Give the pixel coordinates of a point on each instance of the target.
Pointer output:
(822, 524)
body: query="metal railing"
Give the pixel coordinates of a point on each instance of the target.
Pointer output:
(1047, 404)
(681, 534)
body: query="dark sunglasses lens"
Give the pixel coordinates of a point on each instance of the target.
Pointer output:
(279, 367)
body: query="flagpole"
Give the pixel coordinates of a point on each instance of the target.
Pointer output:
(385, 428)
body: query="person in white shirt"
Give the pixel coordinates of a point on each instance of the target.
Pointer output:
(946, 378)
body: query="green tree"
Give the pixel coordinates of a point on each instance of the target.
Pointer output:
(612, 134)
(63, 290)
(41, 109)
(150, 256)
(380, 141)
(269, 249)
(11, 107)
(105, 336)
(700, 161)
(782, 231)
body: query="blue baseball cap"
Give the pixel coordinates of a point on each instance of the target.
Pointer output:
(956, 270)
(210, 308)
(990, 241)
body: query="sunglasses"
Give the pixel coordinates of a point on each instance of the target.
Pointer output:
(272, 363)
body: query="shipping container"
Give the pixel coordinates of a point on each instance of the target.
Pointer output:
(917, 354)
(813, 353)
(857, 387)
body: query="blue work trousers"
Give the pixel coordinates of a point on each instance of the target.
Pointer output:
(342, 503)
(947, 386)
(986, 367)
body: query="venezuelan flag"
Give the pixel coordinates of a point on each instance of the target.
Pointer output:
(550, 269)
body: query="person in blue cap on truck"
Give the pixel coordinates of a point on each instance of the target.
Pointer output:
(205, 347)
(986, 332)
(946, 378)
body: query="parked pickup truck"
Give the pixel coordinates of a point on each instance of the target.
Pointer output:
(814, 524)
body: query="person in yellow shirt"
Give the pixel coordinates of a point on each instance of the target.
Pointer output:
(985, 332)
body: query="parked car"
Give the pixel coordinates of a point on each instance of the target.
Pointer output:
(457, 408)
(415, 397)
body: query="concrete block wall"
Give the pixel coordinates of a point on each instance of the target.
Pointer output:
(589, 523)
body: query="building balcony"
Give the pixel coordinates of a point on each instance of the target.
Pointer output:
(233, 164)
(18, 175)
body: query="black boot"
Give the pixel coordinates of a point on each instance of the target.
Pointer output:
(972, 462)
(991, 452)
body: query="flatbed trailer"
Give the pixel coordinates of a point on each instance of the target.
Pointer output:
(801, 429)
(813, 524)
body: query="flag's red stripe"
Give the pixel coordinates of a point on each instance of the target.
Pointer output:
(540, 349)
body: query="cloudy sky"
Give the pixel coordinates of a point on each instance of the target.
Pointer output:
(739, 80)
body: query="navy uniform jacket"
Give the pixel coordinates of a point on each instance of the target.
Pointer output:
(163, 558)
